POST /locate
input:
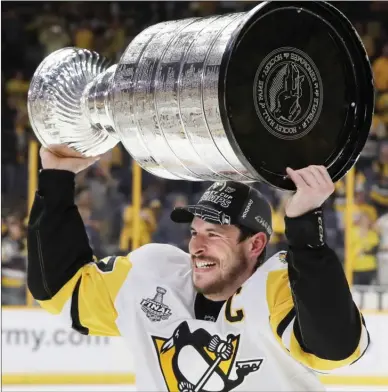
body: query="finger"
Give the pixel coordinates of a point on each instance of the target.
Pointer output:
(318, 175)
(309, 177)
(296, 178)
(329, 184)
(44, 153)
(325, 174)
(62, 150)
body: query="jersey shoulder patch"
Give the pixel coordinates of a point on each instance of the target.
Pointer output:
(276, 262)
(160, 260)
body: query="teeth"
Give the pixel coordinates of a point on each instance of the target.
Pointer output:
(202, 264)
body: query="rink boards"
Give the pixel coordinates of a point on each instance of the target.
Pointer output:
(38, 349)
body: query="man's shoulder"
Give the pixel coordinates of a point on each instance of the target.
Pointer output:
(262, 291)
(275, 266)
(164, 258)
(276, 262)
(164, 250)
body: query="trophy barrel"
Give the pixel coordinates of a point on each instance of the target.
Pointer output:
(297, 90)
(166, 100)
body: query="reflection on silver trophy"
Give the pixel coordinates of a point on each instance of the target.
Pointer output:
(164, 100)
(160, 101)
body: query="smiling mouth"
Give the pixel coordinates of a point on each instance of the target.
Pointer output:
(203, 264)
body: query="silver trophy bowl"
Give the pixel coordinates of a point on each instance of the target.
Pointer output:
(58, 99)
(184, 102)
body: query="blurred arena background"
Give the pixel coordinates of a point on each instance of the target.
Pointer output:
(124, 207)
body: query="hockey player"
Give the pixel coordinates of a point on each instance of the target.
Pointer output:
(220, 318)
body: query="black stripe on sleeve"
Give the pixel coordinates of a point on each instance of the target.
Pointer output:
(368, 336)
(285, 322)
(108, 267)
(74, 311)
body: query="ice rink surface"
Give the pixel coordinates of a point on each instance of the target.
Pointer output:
(131, 388)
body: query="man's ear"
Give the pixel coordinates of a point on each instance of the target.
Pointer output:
(257, 243)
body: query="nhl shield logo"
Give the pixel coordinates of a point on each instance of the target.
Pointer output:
(154, 308)
(200, 362)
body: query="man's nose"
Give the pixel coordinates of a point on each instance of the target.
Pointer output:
(197, 245)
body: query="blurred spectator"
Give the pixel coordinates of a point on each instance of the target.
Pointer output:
(382, 110)
(278, 239)
(169, 232)
(367, 39)
(54, 37)
(382, 228)
(380, 70)
(83, 36)
(364, 244)
(148, 225)
(340, 196)
(106, 200)
(91, 221)
(378, 180)
(14, 150)
(370, 152)
(115, 40)
(13, 260)
(17, 88)
(155, 207)
(362, 206)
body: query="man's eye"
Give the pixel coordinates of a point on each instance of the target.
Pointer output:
(213, 235)
(193, 233)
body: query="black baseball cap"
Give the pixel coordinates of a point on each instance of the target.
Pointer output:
(229, 203)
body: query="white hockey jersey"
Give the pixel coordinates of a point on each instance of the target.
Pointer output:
(148, 298)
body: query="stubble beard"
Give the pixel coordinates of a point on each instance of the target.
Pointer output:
(225, 280)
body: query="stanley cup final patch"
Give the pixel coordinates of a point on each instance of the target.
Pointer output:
(288, 93)
(154, 308)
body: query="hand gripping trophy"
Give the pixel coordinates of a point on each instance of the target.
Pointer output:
(234, 97)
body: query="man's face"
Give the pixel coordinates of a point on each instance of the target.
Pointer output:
(219, 260)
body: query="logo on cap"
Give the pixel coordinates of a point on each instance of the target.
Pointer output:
(261, 221)
(288, 93)
(247, 208)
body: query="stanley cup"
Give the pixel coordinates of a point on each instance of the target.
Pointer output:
(232, 97)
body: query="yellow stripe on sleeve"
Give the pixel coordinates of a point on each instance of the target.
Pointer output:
(281, 305)
(55, 304)
(96, 286)
(97, 295)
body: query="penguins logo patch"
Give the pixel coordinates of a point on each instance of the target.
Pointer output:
(283, 257)
(199, 362)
